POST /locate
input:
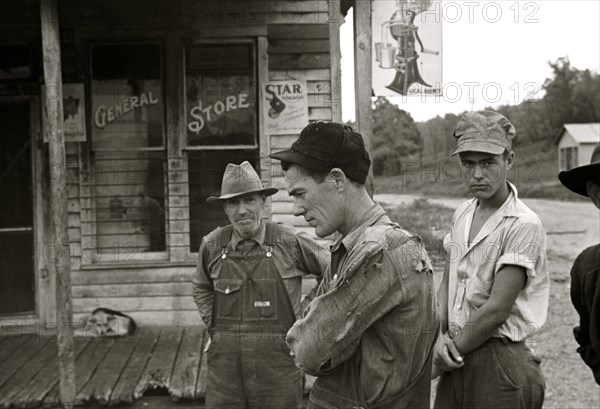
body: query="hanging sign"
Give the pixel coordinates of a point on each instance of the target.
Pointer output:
(407, 47)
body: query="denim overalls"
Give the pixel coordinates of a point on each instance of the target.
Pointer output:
(249, 363)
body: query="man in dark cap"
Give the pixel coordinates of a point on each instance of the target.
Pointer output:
(494, 293)
(585, 274)
(247, 287)
(368, 335)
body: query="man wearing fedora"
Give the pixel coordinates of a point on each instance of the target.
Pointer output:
(585, 281)
(494, 293)
(247, 288)
(368, 335)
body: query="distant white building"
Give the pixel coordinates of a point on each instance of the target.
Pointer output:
(576, 143)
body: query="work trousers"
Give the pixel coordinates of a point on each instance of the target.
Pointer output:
(498, 375)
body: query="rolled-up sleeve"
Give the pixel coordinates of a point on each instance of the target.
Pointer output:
(203, 290)
(330, 332)
(523, 247)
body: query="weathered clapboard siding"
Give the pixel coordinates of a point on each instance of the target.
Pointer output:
(168, 303)
(142, 273)
(166, 289)
(73, 204)
(192, 12)
(299, 52)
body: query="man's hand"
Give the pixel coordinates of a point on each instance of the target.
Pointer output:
(445, 357)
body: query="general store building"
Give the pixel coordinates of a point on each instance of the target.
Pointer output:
(158, 97)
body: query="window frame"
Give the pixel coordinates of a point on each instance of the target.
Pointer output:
(261, 63)
(88, 210)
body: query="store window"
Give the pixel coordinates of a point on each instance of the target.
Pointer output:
(128, 159)
(221, 123)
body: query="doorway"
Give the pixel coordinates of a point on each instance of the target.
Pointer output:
(17, 235)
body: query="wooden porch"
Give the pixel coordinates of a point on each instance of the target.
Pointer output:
(109, 371)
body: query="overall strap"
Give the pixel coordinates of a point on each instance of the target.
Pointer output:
(225, 236)
(271, 234)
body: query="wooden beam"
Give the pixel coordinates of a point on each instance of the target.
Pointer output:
(363, 75)
(300, 61)
(58, 171)
(262, 58)
(335, 20)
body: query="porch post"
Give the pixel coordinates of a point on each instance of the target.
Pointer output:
(57, 157)
(335, 21)
(363, 75)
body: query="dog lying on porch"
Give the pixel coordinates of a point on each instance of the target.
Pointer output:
(104, 322)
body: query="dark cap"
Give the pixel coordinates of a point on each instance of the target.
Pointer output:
(323, 146)
(483, 131)
(576, 179)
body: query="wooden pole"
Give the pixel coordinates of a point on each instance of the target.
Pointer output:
(335, 20)
(363, 75)
(57, 157)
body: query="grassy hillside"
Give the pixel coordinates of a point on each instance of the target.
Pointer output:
(534, 173)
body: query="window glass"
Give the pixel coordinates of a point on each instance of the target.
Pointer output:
(221, 95)
(127, 181)
(206, 169)
(127, 103)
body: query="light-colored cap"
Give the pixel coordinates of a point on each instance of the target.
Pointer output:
(483, 131)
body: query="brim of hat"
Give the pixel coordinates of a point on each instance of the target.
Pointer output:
(298, 158)
(479, 146)
(268, 191)
(576, 179)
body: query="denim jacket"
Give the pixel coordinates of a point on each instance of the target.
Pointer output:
(369, 333)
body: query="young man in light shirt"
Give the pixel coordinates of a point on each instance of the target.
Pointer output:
(494, 293)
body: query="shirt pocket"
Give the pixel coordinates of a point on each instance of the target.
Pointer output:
(478, 291)
(228, 298)
(261, 301)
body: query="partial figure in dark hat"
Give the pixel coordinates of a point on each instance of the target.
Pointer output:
(495, 289)
(248, 290)
(585, 274)
(369, 333)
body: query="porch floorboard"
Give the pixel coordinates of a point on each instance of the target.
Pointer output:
(109, 371)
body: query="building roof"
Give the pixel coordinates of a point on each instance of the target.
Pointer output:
(582, 133)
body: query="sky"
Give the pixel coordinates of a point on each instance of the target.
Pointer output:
(495, 54)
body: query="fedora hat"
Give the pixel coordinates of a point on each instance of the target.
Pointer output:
(576, 179)
(240, 180)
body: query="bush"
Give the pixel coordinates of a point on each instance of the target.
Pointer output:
(430, 221)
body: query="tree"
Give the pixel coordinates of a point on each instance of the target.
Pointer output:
(585, 97)
(395, 137)
(572, 96)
